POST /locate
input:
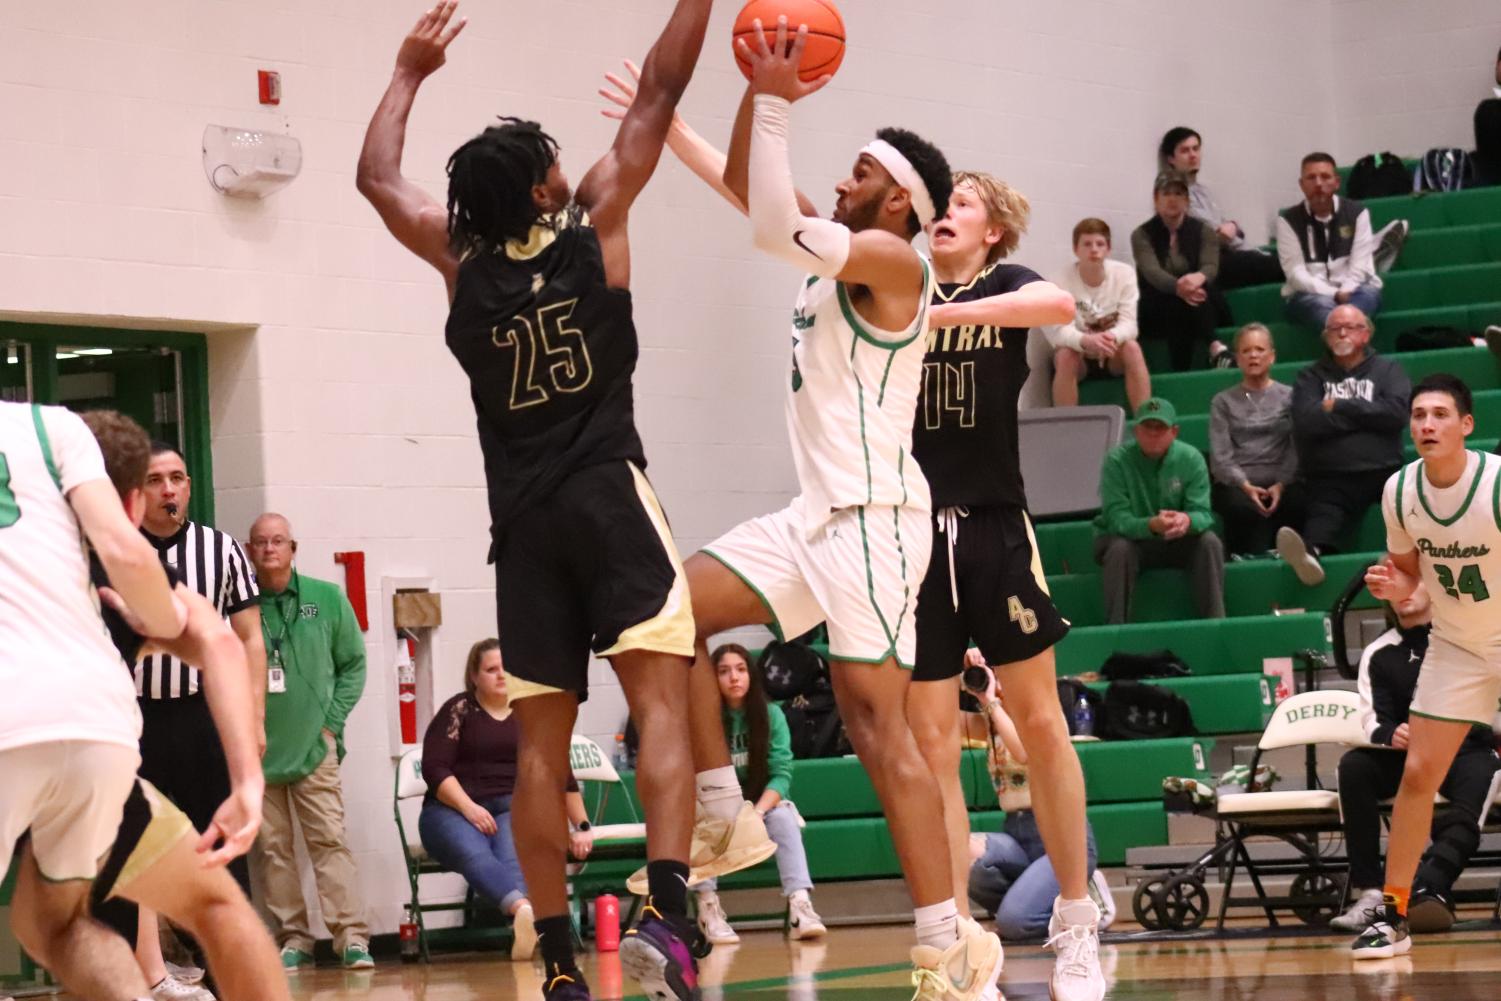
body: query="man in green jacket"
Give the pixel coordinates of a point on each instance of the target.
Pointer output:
(315, 664)
(1154, 512)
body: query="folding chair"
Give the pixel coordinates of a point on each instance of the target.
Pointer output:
(411, 785)
(611, 841)
(1299, 817)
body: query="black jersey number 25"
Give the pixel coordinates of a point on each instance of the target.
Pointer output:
(948, 389)
(10, 511)
(551, 357)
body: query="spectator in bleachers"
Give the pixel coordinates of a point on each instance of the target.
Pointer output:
(1010, 874)
(1488, 134)
(1182, 150)
(1388, 674)
(1328, 248)
(1101, 342)
(469, 764)
(1251, 453)
(1349, 411)
(1154, 512)
(1177, 263)
(761, 749)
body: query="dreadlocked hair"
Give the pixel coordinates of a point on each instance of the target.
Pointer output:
(490, 181)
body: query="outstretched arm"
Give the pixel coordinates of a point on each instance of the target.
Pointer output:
(412, 215)
(612, 184)
(1035, 304)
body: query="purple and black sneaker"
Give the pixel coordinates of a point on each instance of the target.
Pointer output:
(659, 954)
(566, 985)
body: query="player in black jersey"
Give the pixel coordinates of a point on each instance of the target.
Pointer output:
(538, 279)
(984, 585)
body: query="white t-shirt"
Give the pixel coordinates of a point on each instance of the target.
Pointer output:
(61, 676)
(1457, 533)
(851, 401)
(1116, 296)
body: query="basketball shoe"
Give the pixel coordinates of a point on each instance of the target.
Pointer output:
(660, 953)
(719, 847)
(1076, 971)
(1385, 937)
(965, 971)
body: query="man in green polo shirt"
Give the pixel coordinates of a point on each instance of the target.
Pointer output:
(1154, 512)
(315, 665)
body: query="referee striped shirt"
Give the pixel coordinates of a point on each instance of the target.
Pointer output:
(213, 564)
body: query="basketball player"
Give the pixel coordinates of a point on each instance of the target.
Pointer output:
(852, 547)
(1443, 527)
(159, 860)
(68, 722)
(538, 279)
(986, 581)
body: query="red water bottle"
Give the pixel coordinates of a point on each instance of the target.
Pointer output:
(606, 923)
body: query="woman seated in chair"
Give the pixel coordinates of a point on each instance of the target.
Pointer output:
(761, 748)
(1010, 874)
(469, 764)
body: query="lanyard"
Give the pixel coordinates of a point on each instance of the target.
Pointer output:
(286, 626)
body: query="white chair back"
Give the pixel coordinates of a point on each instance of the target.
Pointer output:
(1319, 717)
(589, 762)
(409, 780)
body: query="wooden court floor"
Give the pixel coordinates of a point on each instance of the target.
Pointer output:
(869, 964)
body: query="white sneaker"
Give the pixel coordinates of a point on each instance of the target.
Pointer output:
(1389, 241)
(187, 974)
(523, 934)
(965, 971)
(1365, 911)
(719, 848)
(1076, 971)
(713, 922)
(172, 989)
(802, 920)
(1294, 552)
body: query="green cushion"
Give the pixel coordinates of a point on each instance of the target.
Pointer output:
(1431, 210)
(1295, 343)
(1209, 647)
(1191, 392)
(1230, 703)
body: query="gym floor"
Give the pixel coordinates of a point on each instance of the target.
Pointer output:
(869, 964)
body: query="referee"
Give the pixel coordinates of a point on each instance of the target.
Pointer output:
(180, 751)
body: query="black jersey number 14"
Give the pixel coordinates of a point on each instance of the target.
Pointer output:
(546, 342)
(948, 388)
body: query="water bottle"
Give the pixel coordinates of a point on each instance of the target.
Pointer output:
(1083, 717)
(607, 922)
(622, 754)
(411, 948)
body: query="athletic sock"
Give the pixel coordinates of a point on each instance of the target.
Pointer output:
(937, 925)
(555, 937)
(667, 883)
(719, 792)
(1396, 898)
(1083, 911)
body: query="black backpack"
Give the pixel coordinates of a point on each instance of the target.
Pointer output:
(1136, 711)
(791, 669)
(1444, 169)
(816, 729)
(1377, 175)
(1157, 664)
(1069, 692)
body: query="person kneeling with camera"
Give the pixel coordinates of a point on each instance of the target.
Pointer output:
(1009, 873)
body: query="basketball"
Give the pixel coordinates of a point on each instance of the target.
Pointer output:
(825, 48)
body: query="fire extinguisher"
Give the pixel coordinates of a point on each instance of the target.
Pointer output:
(406, 688)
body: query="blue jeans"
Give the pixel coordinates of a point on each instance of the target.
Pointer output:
(1014, 879)
(487, 862)
(792, 861)
(1312, 310)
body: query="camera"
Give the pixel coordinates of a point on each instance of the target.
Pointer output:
(976, 678)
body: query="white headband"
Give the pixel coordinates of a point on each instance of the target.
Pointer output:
(903, 173)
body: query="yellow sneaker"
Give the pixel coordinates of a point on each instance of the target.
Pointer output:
(965, 971)
(720, 847)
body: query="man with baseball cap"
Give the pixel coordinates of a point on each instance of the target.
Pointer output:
(1154, 512)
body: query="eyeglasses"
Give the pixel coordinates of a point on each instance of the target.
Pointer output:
(275, 542)
(1335, 328)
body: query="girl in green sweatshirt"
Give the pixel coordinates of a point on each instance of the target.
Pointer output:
(761, 749)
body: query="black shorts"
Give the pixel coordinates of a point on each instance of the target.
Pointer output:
(590, 569)
(1004, 606)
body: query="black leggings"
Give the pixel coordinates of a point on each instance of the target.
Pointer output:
(1164, 315)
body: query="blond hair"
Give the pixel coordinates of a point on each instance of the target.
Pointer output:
(1006, 207)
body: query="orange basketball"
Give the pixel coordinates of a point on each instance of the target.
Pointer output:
(825, 48)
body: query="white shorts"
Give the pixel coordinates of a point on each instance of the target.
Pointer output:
(860, 573)
(1458, 684)
(71, 795)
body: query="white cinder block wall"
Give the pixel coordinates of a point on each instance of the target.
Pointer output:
(333, 398)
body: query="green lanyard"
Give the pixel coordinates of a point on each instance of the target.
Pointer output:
(274, 657)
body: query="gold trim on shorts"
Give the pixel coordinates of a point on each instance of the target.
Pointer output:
(167, 827)
(671, 630)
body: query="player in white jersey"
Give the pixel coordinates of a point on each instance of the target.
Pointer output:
(852, 547)
(68, 723)
(1443, 527)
